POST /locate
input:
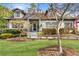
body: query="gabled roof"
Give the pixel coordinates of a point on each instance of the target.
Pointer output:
(41, 15)
(19, 10)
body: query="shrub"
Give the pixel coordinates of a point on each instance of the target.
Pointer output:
(53, 31)
(72, 31)
(13, 31)
(67, 31)
(49, 31)
(40, 33)
(6, 35)
(61, 31)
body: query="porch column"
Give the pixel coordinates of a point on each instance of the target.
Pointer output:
(10, 25)
(40, 28)
(28, 29)
(32, 27)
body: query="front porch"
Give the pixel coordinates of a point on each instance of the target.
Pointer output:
(33, 29)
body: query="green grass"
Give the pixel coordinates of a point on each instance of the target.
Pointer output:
(9, 48)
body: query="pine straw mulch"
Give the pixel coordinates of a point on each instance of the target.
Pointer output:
(53, 51)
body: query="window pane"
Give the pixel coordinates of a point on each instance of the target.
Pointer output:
(17, 25)
(17, 14)
(51, 24)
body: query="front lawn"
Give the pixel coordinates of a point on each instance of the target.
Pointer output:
(9, 48)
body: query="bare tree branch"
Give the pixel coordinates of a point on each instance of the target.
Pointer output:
(65, 10)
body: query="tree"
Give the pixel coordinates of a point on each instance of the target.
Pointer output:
(33, 5)
(55, 8)
(4, 13)
(75, 12)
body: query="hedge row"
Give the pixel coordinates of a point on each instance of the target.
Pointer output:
(62, 31)
(8, 33)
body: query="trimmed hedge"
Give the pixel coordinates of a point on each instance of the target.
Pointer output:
(62, 31)
(13, 31)
(6, 35)
(49, 31)
(67, 31)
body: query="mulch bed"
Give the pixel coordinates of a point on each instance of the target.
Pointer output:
(53, 51)
(19, 39)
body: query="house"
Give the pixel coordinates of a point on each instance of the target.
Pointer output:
(35, 21)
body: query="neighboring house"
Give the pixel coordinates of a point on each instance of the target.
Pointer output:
(76, 24)
(35, 21)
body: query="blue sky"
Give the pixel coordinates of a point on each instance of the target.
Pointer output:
(24, 6)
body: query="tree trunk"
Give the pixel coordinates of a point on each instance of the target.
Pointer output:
(58, 37)
(59, 42)
(19, 35)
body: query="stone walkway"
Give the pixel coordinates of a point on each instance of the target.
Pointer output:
(68, 36)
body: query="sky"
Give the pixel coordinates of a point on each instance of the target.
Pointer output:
(24, 6)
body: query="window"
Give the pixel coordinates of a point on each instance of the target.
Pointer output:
(17, 25)
(68, 25)
(51, 24)
(17, 14)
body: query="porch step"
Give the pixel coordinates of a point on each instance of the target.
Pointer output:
(32, 35)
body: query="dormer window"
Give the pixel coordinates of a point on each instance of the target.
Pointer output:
(17, 14)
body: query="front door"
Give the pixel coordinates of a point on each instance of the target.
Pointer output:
(34, 26)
